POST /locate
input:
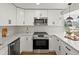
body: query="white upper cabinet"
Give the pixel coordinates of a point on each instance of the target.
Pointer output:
(7, 14)
(10, 15)
(20, 16)
(29, 17)
(44, 13)
(30, 14)
(55, 18)
(41, 13)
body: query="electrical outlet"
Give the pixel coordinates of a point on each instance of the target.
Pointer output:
(9, 21)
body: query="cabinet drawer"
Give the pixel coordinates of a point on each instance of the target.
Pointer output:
(71, 50)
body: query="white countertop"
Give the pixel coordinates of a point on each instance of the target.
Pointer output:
(73, 44)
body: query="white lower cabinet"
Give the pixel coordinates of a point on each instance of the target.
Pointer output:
(70, 51)
(51, 43)
(56, 45)
(26, 43)
(63, 48)
(4, 51)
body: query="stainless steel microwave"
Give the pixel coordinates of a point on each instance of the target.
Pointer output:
(40, 21)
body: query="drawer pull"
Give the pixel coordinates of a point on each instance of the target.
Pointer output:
(59, 48)
(68, 48)
(57, 40)
(66, 54)
(26, 38)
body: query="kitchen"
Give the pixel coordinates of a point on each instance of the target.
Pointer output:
(39, 29)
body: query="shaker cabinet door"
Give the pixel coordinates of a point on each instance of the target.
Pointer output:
(29, 17)
(51, 44)
(20, 16)
(29, 43)
(26, 43)
(22, 44)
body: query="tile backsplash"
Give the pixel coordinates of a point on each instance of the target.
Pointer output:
(49, 29)
(31, 29)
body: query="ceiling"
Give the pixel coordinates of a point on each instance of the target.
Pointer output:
(73, 14)
(56, 6)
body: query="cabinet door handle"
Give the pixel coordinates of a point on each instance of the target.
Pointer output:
(68, 48)
(59, 48)
(57, 40)
(26, 38)
(66, 54)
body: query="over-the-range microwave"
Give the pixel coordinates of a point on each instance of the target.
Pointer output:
(40, 21)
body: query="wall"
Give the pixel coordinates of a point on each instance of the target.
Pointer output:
(7, 11)
(10, 34)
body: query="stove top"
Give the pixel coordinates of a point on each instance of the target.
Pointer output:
(38, 33)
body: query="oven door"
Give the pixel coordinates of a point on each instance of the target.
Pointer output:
(40, 44)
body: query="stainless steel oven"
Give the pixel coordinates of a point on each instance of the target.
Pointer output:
(40, 44)
(40, 41)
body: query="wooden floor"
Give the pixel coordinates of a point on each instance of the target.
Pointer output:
(34, 53)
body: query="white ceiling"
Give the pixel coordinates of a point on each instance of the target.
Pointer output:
(55, 6)
(73, 14)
